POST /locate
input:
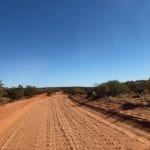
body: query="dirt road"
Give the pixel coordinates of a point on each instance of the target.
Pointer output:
(54, 122)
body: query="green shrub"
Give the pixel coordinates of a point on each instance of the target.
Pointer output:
(2, 92)
(139, 87)
(19, 92)
(30, 91)
(15, 93)
(91, 94)
(1, 89)
(111, 88)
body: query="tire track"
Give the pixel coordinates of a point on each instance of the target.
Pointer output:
(79, 122)
(113, 137)
(24, 134)
(16, 126)
(65, 128)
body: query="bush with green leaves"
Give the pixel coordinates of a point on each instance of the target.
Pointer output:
(111, 88)
(30, 91)
(19, 92)
(2, 90)
(15, 93)
(139, 87)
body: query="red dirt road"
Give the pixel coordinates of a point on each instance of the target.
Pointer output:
(51, 123)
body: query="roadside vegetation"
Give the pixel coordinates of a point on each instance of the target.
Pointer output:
(112, 88)
(17, 93)
(12, 94)
(107, 90)
(128, 101)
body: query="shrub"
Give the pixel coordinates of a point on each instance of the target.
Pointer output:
(91, 95)
(15, 93)
(102, 90)
(111, 88)
(2, 90)
(49, 93)
(136, 87)
(19, 92)
(30, 91)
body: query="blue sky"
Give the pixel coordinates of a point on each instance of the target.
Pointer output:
(73, 42)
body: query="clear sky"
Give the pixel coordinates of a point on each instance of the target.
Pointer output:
(73, 42)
